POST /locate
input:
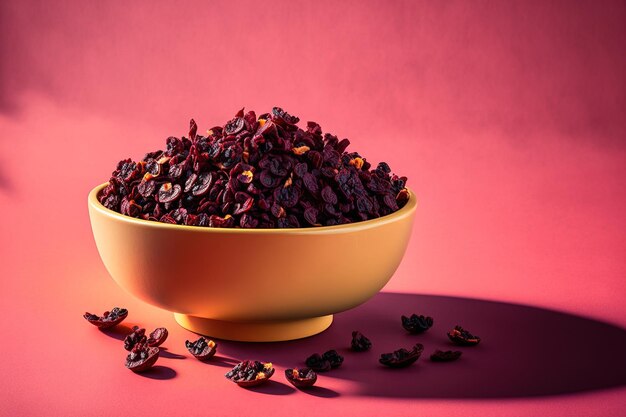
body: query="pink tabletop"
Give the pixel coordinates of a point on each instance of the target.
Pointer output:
(508, 119)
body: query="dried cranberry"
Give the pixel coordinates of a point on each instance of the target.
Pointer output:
(284, 117)
(157, 337)
(328, 195)
(390, 201)
(241, 208)
(169, 192)
(310, 182)
(108, 319)
(402, 358)
(445, 356)
(193, 128)
(287, 196)
(300, 169)
(217, 221)
(402, 197)
(142, 357)
(234, 126)
(267, 179)
(191, 181)
(245, 177)
(310, 215)
(462, 337)
(202, 349)
(417, 324)
(359, 342)
(146, 188)
(318, 363)
(334, 358)
(137, 335)
(250, 373)
(322, 363)
(203, 184)
(301, 378)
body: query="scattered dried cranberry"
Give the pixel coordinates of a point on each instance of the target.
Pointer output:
(445, 356)
(137, 336)
(301, 378)
(250, 373)
(402, 358)
(318, 363)
(255, 172)
(108, 319)
(334, 358)
(142, 357)
(360, 343)
(323, 363)
(157, 337)
(202, 348)
(417, 324)
(462, 337)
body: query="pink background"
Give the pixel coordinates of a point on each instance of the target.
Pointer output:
(507, 117)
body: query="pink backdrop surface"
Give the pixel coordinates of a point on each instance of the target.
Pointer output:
(507, 117)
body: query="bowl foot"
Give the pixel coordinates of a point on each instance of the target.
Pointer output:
(261, 331)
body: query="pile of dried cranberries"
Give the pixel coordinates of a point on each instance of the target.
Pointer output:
(255, 172)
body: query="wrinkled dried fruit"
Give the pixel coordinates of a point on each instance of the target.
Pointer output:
(235, 126)
(417, 324)
(137, 336)
(108, 319)
(359, 342)
(157, 337)
(318, 363)
(203, 349)
(142, 357)
(301, 378)
(323, 363)
(169, 192)
(462, 337)
(250, 373)
(334, 358)
(306, 173)
(445, 356)
(402, 358)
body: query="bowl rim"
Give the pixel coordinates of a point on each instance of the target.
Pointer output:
(405, 211)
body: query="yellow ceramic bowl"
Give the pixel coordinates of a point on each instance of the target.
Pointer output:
(251, 284)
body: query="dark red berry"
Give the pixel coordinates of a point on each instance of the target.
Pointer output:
(137, 336)
(142, 357)
(234, 126)
(169, 192)
(318, 363)
(281, 116)
(334, 358)
(402, 358)
(250, 373)
(108, 318)
(445, 356)
(202, 349)
(462, 337)
(417, 324)
(202, 184)
(301, 378)
(359, 342)
(157, 337)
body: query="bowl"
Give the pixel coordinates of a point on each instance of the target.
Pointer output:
(251, 284)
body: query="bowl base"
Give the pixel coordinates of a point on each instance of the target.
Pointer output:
(261, 331)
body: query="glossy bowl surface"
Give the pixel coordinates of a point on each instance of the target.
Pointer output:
(251, 284)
